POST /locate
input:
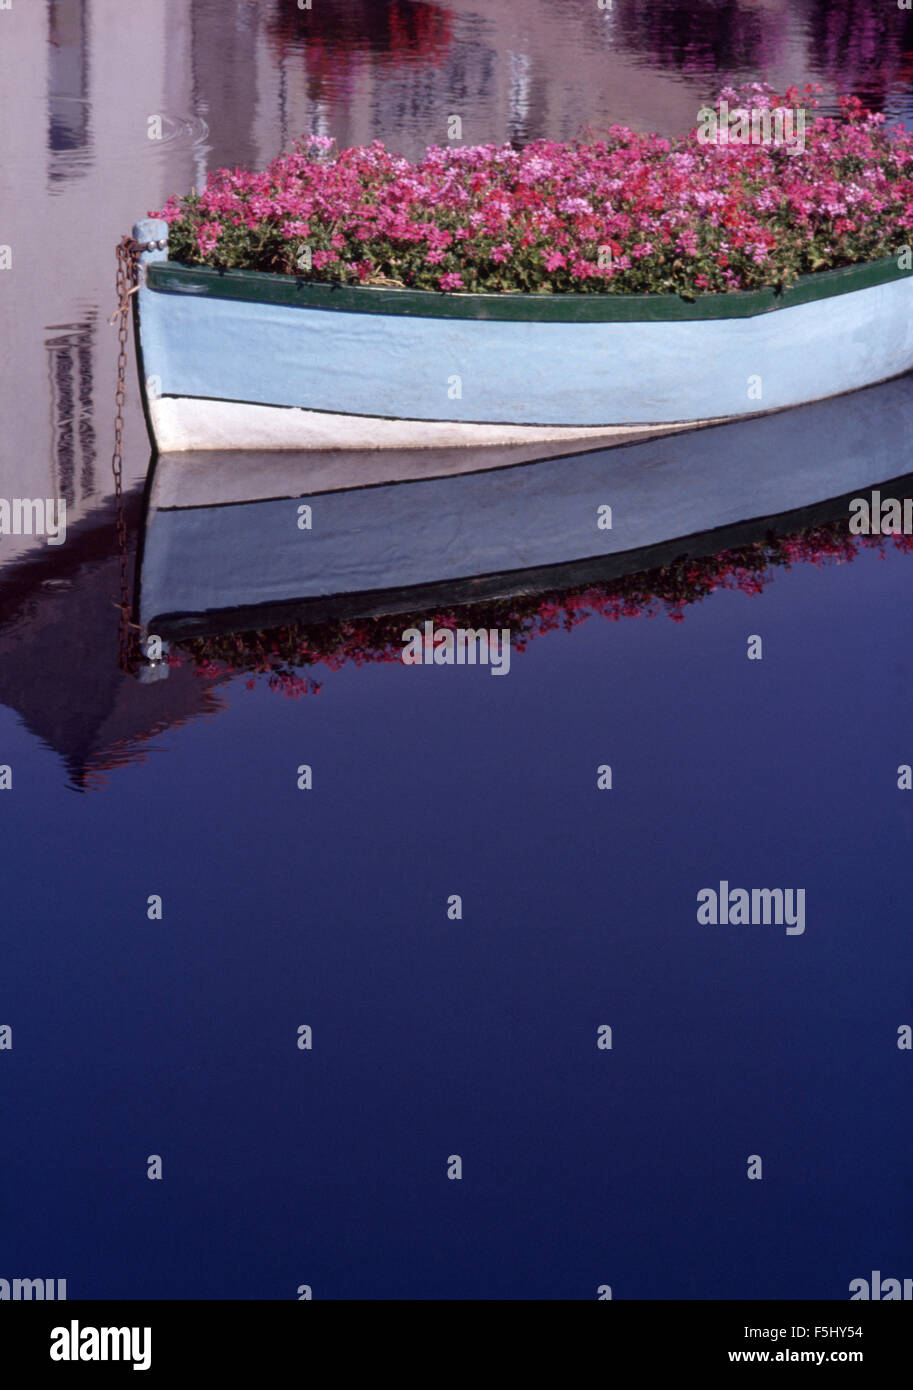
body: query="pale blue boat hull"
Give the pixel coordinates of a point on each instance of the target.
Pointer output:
(225, 373)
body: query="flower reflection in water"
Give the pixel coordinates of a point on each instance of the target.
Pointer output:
(287, 656)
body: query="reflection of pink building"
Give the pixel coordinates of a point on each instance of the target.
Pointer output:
(737, 36)
(341, 36)
(511, 69)
(59, 662)
(863, 47)
(332, 44)
(860, 46)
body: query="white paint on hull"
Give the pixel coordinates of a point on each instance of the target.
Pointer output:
(183, 424)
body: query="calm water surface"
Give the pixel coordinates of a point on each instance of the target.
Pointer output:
(431, 1037)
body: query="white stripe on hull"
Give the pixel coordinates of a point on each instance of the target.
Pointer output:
(182, 423)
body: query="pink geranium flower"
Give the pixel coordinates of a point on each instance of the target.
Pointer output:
(208, 237)
(686, 215)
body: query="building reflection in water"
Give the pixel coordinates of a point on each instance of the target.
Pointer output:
(69, 108)
(70, 358)
(59, 642)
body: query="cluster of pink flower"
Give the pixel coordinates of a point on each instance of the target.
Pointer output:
(629, 213)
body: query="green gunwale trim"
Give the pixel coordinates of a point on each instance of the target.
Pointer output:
(258, 286)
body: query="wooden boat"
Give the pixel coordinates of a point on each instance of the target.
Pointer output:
(245, 360)
(224, 548)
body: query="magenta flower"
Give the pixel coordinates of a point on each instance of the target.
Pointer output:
(683, 216)
(208, 237)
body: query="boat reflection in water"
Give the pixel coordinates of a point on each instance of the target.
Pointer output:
(237, 586)
(281, 562)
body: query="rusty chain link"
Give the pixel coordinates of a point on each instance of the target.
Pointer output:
(127, 281)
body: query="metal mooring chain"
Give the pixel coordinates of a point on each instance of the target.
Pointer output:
(128, 252)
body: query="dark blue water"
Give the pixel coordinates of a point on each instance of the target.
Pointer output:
(432, 1038)
(478, 1038)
